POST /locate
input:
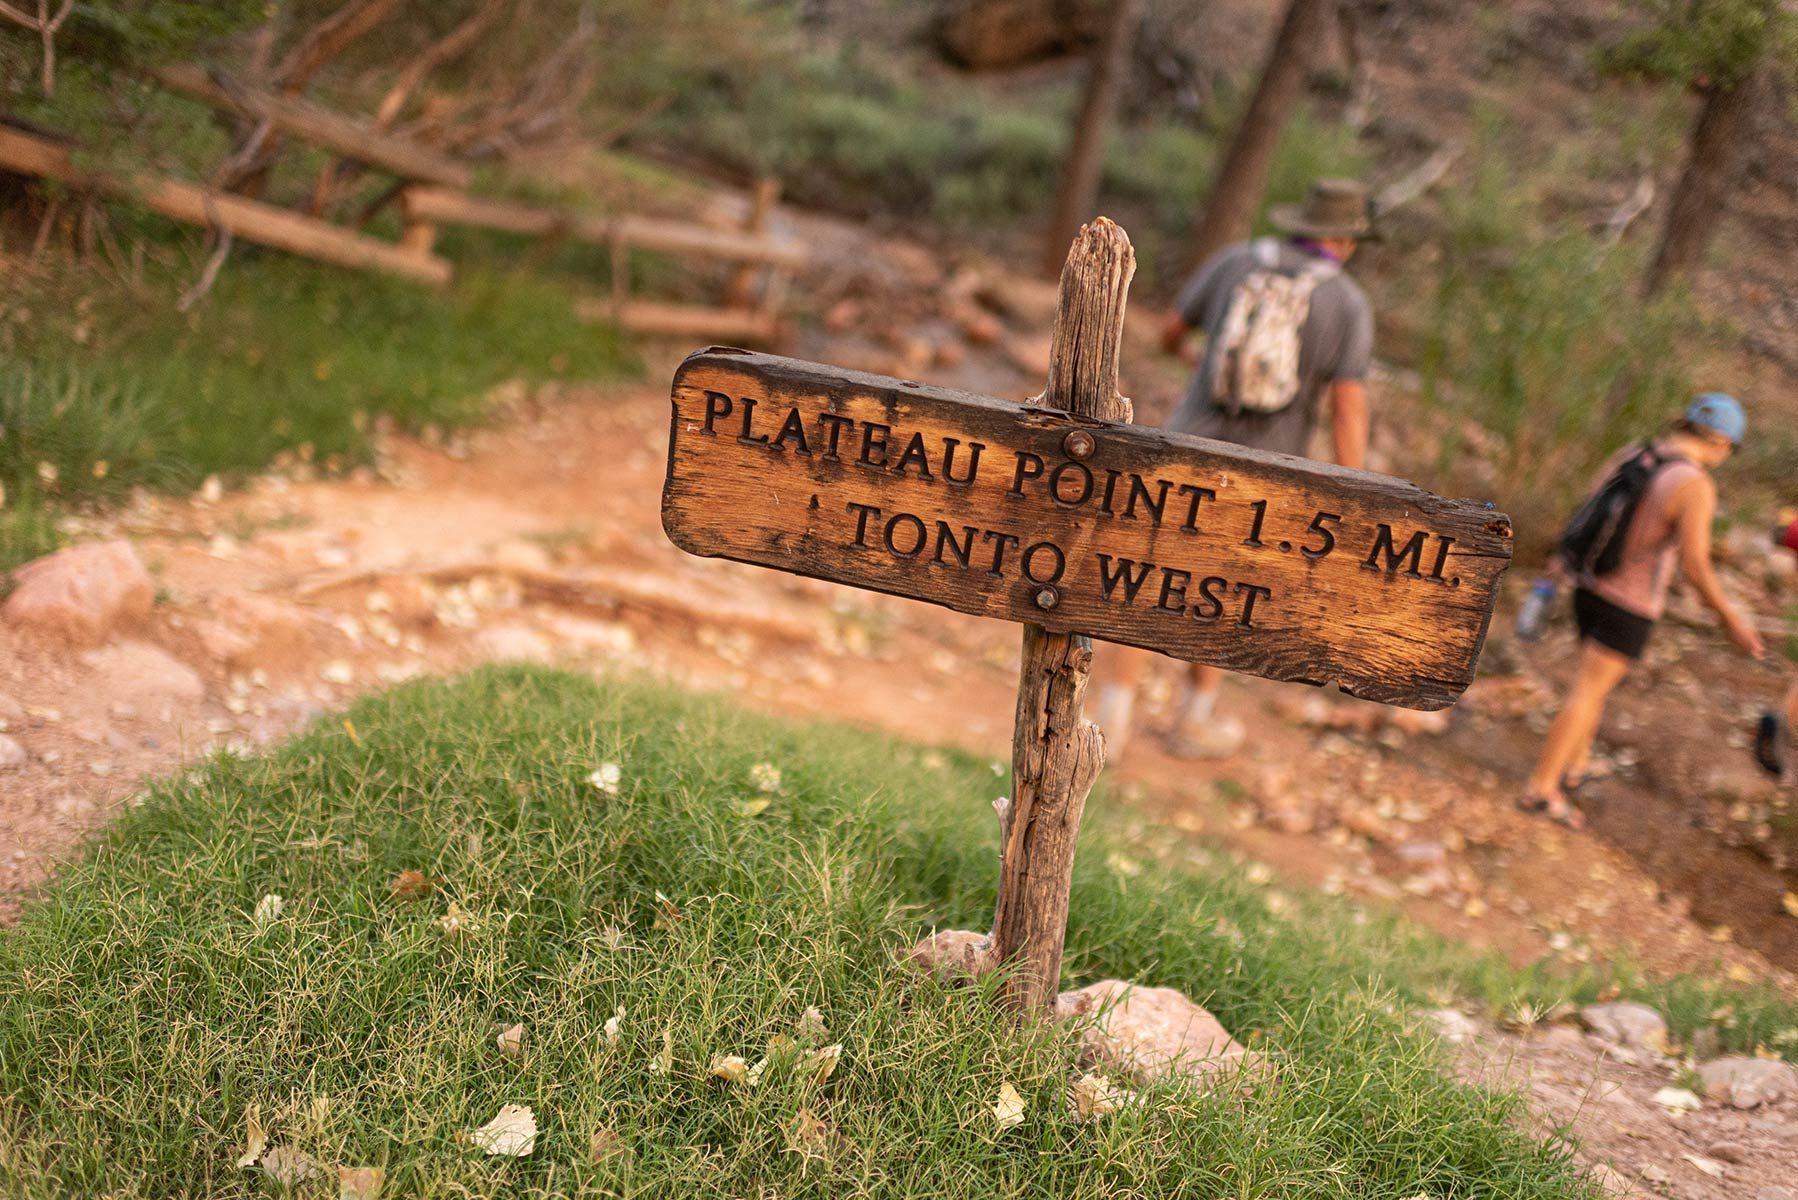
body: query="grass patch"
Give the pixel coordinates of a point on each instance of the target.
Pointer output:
(146, 1013)
(102, 391)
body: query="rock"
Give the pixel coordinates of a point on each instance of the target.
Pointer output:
(1635, 1025)
(986, 34)
(514, 643)
(1146, 1033)
(10, 709)
(81, 594)
(953, 954)
(982, 328)
(1729, 1152)
(1744, 1082)
(249, 631)
(1414, 723)
(138, 671)
(12, 754)
(1452, 1025)
(1776, 1193)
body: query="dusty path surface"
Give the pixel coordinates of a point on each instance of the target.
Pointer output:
(539, 539)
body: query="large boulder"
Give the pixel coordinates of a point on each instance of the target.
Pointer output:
(80, 595)
(1743, 1082)
(985, 34)
(1148, 1033)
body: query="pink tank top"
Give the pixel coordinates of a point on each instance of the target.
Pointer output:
(1650, 548)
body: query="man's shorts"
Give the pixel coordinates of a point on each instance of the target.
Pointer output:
(1612, 627)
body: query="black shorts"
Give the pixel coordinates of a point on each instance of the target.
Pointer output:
(1611, 627)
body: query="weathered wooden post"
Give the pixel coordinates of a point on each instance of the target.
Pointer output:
(1060, 515)
(1056, 754)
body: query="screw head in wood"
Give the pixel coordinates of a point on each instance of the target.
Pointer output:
(1079, 444)
(1047, 597)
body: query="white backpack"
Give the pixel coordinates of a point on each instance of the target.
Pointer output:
(1257, 350)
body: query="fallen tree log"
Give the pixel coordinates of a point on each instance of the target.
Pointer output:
(441, 206)
(341, 135)
(251, 220)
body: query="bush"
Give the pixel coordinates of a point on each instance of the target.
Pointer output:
(1540, 339)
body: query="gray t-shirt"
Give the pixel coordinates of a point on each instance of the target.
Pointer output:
(1336, 343)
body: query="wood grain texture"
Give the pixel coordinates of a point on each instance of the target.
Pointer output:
(1404, 632)
(1056, 754)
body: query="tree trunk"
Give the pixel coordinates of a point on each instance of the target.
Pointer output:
(1242, 177)
(1056, 754)
(1713, 158)
(1079, 188)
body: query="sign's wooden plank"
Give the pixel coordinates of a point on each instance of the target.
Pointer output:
(1256, 562)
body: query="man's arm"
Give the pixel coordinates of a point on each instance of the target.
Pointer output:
(1349, 422)
(1697, 504)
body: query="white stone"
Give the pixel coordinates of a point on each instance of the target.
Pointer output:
(12, 754)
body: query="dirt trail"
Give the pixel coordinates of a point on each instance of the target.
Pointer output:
(539, 539)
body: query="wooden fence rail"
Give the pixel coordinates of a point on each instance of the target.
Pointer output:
(251, 220)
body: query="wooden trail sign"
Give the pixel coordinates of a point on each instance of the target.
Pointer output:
(1256, 562)
(1061, 515)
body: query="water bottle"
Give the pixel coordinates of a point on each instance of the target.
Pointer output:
(1532, 618)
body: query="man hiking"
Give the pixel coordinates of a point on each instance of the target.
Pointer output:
(1660, 501)
(1286, 331)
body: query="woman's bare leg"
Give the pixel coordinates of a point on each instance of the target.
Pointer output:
(1570, 737)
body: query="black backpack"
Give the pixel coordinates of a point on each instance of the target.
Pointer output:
(1592, 543)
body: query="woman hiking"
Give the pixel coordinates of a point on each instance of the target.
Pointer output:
(1616, 608)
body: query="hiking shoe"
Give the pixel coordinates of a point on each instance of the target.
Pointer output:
(1216, 737)
(1770, 744)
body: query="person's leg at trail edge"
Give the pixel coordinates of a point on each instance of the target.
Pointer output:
(1773, 735)
(1570, 737)
(1119, 670)
(1200, 731)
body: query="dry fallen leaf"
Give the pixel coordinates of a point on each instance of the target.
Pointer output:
(668, 914)
(512, 1133)
(268, 910)
(807, 1136)
(255, 1138)
(1009, 1110)
(1093, 1095)
(606, 779)
(509, 1039)
(811, 1025)
(765, 777)
(605, 1143)
(289, 1167)
(663, 1062)
(612, 1026)
(456, 924)
(360, 1183)
(408, 886)
(751, 808)
(730, 1067)
(1723, 933)
(1789, 902)
(824, 1061)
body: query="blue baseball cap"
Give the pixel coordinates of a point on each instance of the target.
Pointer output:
(1720, 414)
